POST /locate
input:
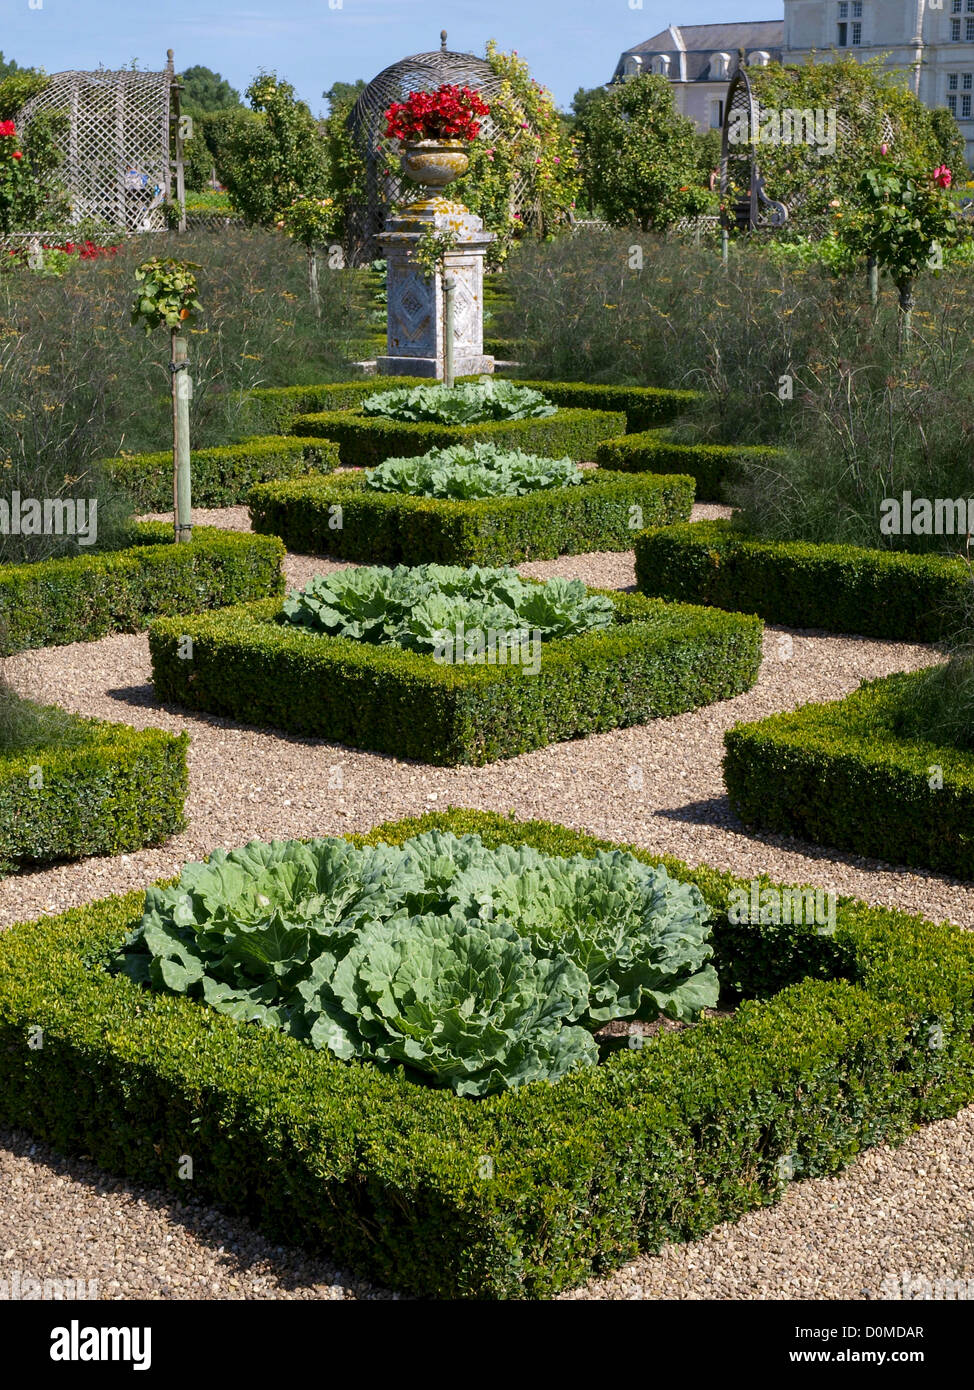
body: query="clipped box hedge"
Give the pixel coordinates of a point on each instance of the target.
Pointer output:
(844, 774)
(388, 528)
(222, 476)
(657, 660)
(81, 598)
(643, 406)
(113, 791)
(841, 588)
(845, 1040)
(710, 465)
(367, 440)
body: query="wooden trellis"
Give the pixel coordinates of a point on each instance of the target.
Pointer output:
(117, 162)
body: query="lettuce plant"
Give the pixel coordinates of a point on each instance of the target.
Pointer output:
(470, 403)
(416, 606)
(479, 969)
(468, 471)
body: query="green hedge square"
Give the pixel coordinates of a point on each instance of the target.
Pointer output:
(84, 597)
(711, 466)
(340, 517)
(112, 791)
(221, 477)
(658, 659)
(840, 588)
(839, 1041)
(842, 773)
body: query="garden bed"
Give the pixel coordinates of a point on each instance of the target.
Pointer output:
(844, 1040)
(222, 476)
(710, 465)
(845, 773)
(839, 588)
(88, 787)
(339, 516)
(658, 659)
(366, 440)
(81, 598)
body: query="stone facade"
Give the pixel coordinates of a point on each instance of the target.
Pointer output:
(415, 341)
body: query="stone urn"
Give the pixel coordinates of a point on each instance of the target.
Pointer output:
(435, 163)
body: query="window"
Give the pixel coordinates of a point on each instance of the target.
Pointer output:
(970, 6)
(716, 115)
(856, 9)
(954, 30)
(632, 66)
(952, 82)
(719, 64)
(856, 34)
(966, 84)
(965, 108)
(844, 29)
(952, 105)
(969, 30)
(955, 6)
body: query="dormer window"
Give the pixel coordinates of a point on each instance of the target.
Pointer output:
(633, 65)
(661, 64)
(720, 65)
(760, 58)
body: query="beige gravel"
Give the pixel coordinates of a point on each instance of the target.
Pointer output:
(658, 786)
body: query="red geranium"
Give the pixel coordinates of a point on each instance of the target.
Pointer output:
(7, 128)
(449, 113)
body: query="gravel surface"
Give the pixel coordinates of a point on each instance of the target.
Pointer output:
(658, 786)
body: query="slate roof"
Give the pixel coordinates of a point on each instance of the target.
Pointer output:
(702, 40)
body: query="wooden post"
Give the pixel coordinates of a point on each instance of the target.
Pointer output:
(313, 280)
(182, 393)
(449, 292)
(872, 276)
(724, 246)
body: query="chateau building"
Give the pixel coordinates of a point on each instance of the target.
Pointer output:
(930, 41)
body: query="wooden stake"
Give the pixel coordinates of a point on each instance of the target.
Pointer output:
(182, 392)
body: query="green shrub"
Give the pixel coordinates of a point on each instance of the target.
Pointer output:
(341, 517)
(83, 598)
(273, 409)
(71, 787)
(476, 968)
(857, 1038)
(658, 660)
(710, 465)
(366, 440)
(223, 476)
(416, 607)
(643, 406)
(841, 588)
(466, 403)
(465, 472)
(858, 774)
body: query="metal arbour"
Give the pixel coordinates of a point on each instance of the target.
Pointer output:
(747, 206)
(117, 163)
(420, 73)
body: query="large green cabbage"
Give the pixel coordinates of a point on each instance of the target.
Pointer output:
(470, 403)
(415, 606)
(481, 969)
(468, 471)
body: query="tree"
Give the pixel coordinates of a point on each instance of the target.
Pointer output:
(272, 154)
(8, 66)
(205, 90)
(343, 94)
(639, 155)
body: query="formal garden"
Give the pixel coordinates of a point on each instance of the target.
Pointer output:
(487, 685)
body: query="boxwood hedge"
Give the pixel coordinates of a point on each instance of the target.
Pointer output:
(87, 596)
(841, 588)
(113, 790)
(643, 406)
(222, 476)
(659, 659)
(710, 465)
(366, 440)
(846, 1040)
(339, 516)
(844, 774)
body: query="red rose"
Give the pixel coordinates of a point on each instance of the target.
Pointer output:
(16, 155)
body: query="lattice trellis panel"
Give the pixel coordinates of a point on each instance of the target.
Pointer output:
(117, 162)
(419, 73)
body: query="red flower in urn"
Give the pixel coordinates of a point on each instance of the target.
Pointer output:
(449, 113)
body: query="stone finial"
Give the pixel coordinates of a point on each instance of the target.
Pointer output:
(443, 40)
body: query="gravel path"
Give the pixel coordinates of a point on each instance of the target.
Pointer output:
(658, 786)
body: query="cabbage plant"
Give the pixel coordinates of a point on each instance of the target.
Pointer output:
(478, 969)
(416, 606)
(469, 403)
(471, 471)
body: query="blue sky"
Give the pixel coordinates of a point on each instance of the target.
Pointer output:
(568, 43)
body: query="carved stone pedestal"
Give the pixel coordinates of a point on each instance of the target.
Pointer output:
(415, 336)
